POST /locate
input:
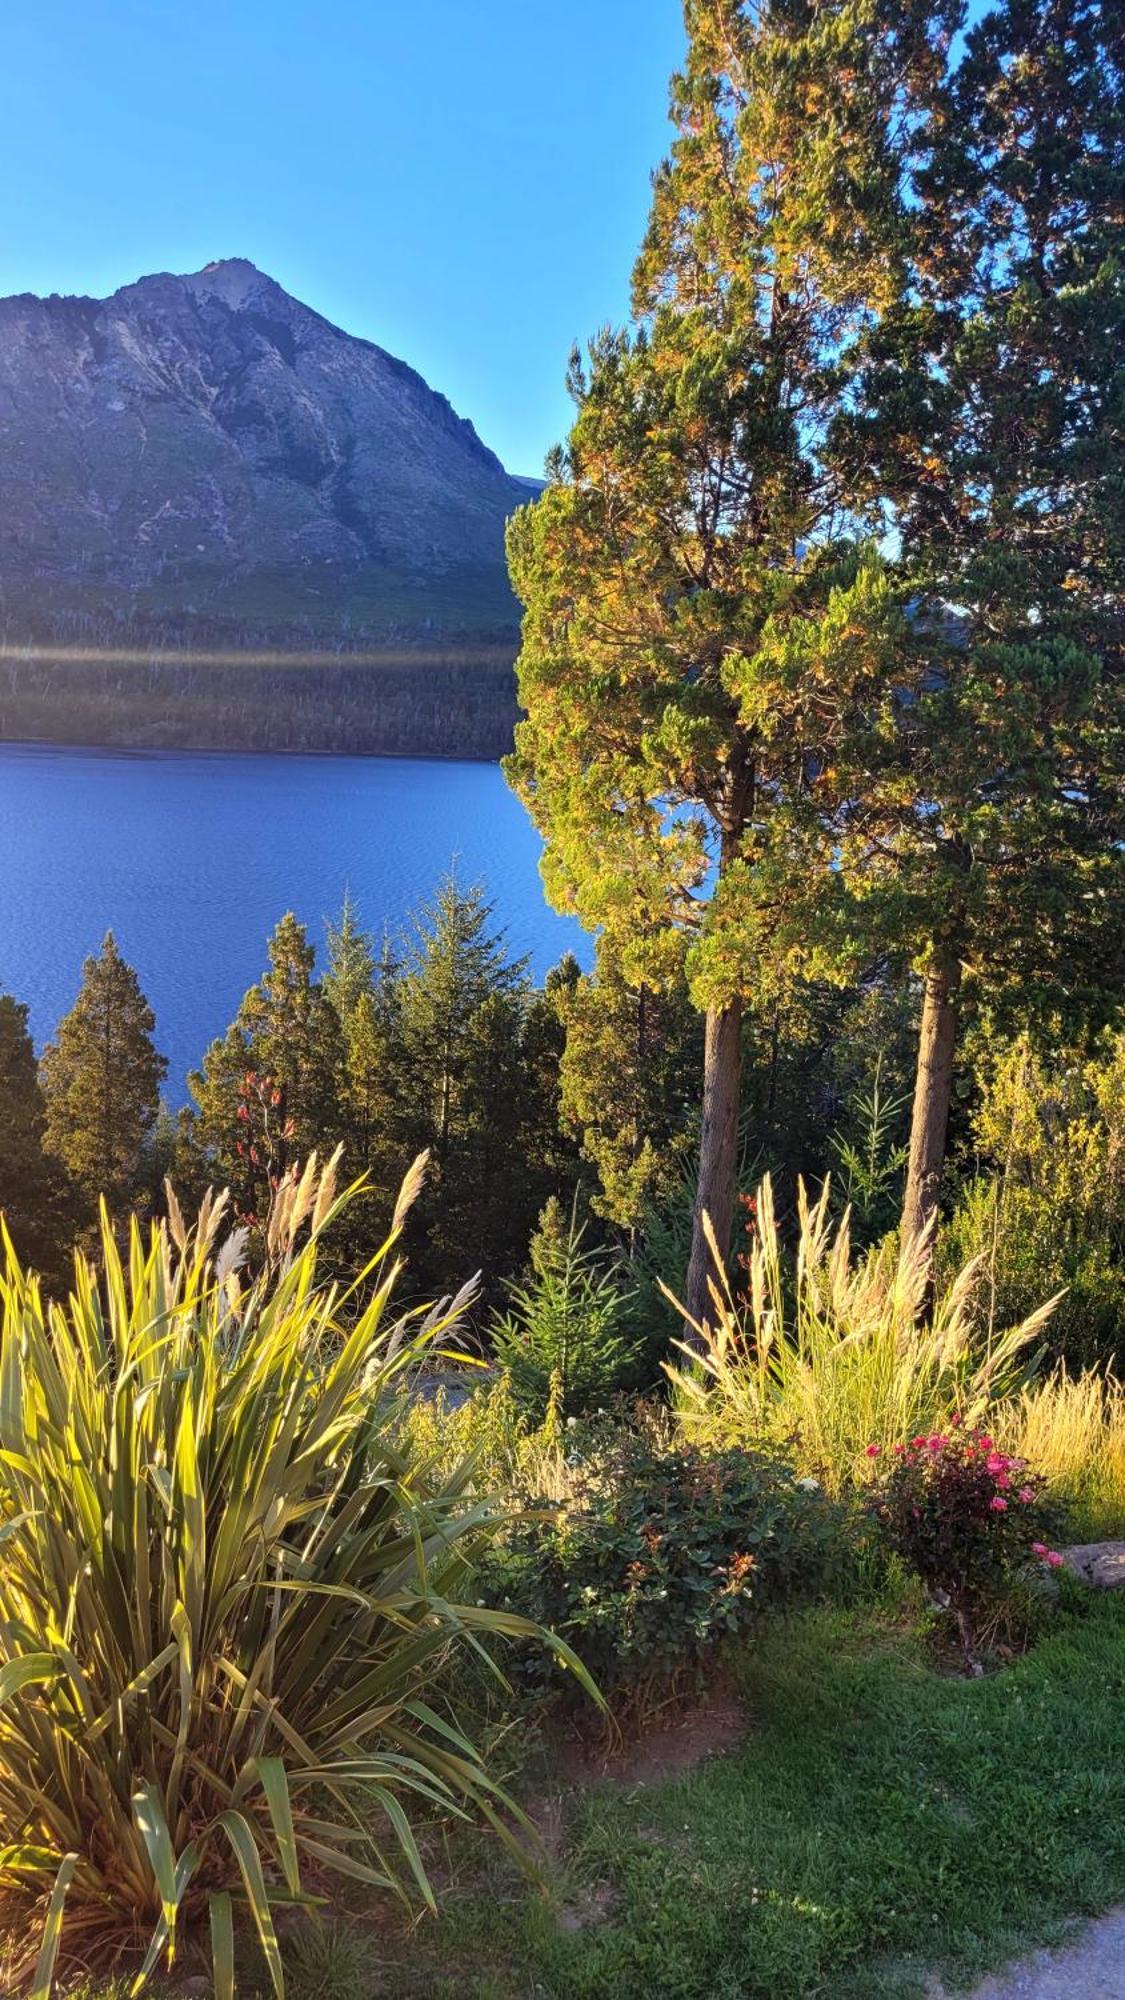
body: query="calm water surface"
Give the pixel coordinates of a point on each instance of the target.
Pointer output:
(191, 858)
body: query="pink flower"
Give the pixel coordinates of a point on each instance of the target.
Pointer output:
(997, 1462)
(937, 1443)
(1002, 1479)
(1054, 1559)
(1027, 1495)
(1039, 1549)
(998, 1504)
(985, 1443)
(955, 1420)
(898, 1447)
(873, 1451)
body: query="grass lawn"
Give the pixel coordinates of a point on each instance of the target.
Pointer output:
(878, 1822)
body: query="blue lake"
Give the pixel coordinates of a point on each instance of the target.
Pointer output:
(191, 858)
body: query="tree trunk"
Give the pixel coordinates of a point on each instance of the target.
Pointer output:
(933, 1091)
(718, 1151)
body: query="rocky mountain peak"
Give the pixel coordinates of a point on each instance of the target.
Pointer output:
(205, 446)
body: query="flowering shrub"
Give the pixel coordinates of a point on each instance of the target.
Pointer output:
(963, 1516)
(660, 1552)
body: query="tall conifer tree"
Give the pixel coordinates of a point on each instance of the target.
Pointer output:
(101, 1081)
(706, 623)
(269, 1091)
(992, 418)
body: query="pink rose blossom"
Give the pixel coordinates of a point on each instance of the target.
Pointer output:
(1039, 1549)
(873, 1450)
(998, 1504)
(1027, 1495)
(1054, 1559)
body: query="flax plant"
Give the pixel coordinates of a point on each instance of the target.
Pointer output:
(226, 1592)
(836, 1353)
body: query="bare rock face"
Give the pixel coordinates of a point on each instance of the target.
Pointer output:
(1099, 1564)
(207, 448)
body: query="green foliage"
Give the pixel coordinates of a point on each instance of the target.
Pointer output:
(1049, 1212)
(477, 1069)
(709, 625)
(661, 1550)
(985, 837)
(871, 1159)
(33, 1193)
(101, 1080)
(965, 1517)
(566, 1327)
(227, 1598)
(268, 1091)
(491, 1434)
(351, 962)
(629, 1070)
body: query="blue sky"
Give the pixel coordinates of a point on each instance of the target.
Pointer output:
(464, 181)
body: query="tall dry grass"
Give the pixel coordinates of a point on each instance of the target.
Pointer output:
(834, 1352)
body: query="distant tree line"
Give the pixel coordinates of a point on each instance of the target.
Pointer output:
(577, 1097)
(404, 709)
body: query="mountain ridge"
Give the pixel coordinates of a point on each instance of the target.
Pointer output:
(201, 460)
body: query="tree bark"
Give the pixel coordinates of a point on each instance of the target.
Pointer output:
(933, 1092)
(718, 1151)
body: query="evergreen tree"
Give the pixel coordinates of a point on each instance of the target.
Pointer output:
(453, 965)
(350, 975)
(707, 624)
(628, 1083)
(373, 1084)
(101, 1080)
(991, 416)
(463, 1011)
(31, 1183)
(269, 1091)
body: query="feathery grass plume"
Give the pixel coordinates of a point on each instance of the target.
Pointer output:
(836, 1352)
(225, 1593)
(1072, 1429)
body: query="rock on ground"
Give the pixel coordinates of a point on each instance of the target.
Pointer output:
(1100, 1564)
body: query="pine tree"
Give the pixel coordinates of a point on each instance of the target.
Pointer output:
(462, 1011)
(269, 1091)
(991, 416)
(707, 621)
(350, 974)
(101, 1080)
(628, 1077)
(453, 965)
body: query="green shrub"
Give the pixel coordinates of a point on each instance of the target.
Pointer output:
(1050, 1211)
(661, 1550)
(226, 1598)
(567, 1325)
(488, 1434)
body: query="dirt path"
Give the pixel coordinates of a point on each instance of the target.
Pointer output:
(1092, 1968)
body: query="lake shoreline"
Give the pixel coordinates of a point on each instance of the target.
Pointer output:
(107, 747)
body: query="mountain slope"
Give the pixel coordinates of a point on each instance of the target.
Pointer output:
(208, 448)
